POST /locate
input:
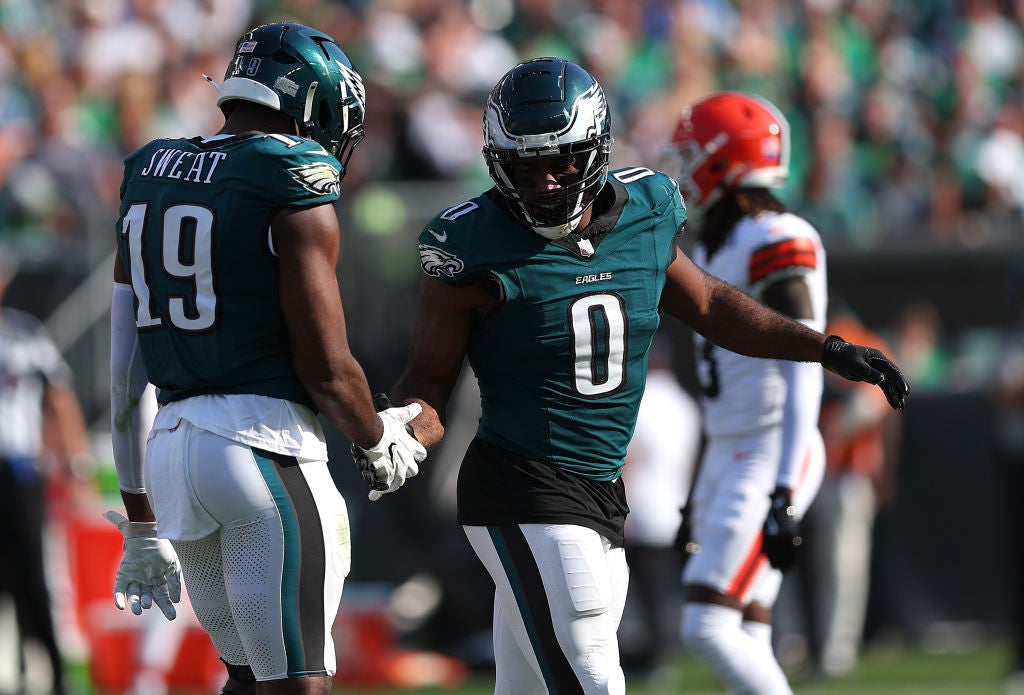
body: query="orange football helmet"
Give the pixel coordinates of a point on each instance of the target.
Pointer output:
(726, 141)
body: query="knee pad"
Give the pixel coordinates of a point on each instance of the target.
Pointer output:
(708, 626)
(715, 634)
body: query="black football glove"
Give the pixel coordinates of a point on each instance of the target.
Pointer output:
(781, 533)
(684, 542)
(859, 363)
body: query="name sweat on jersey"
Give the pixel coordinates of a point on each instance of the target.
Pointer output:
(740, 395)
(561, 363)
(194, 235)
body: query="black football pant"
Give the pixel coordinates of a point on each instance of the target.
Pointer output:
(22, 570)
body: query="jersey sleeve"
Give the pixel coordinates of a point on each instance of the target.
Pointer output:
(444, 251)
(787, 247)
(657, 190)
(295, 172)
(675, 205)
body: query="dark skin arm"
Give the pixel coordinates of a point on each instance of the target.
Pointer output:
(440, 339)
(711, 307)
(307, 241)
(790, 296)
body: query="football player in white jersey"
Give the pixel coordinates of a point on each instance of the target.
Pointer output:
(764, 458)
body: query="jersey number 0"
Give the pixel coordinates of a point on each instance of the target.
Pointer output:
(598, 324)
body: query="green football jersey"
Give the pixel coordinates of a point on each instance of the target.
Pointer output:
(562, 362)
(194, 235)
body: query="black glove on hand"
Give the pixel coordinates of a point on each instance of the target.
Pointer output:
(859, 363)
(683, 542)
(781, 533)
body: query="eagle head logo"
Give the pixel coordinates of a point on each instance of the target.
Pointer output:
(436, 262)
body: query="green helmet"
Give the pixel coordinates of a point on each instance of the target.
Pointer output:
(303, 73)
(548, 108)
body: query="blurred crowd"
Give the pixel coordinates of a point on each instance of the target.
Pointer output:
(907, 123)
(907, 118)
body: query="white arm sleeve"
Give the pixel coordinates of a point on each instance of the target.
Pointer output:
(805, 381)
(132, 399)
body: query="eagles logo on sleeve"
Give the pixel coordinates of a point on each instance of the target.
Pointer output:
(436, 262)
(320, 178)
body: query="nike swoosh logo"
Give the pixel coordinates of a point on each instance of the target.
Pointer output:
(440, 236)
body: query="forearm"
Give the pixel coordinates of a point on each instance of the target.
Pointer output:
(72, 430)
(342, 395)
(428, 425)
(804, 383)
(129, 422)
(136, 506)
(735, 321)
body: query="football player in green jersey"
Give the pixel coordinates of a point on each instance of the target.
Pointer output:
(551, 283)
(226, 299)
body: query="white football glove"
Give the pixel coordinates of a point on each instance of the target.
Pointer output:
(149, 571)
(396, 457)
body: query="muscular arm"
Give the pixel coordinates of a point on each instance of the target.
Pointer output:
(733, 320)
(440, 339)
(307, 241)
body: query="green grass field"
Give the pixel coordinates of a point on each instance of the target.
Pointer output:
(882, 671)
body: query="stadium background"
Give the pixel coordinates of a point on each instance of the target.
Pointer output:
(908, 155)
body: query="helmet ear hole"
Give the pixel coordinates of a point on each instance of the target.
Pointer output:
(323, 116)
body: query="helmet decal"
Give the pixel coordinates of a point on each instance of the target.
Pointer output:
(286, 86)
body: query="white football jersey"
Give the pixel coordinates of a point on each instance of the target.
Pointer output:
(743, 395)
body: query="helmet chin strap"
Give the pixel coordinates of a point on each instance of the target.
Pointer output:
(561, 230)
(558, 231)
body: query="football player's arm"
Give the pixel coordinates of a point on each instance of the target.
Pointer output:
(307, 241)
(128, 380)
(733, 320)
(441, 334)
(148, 573)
